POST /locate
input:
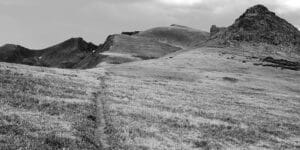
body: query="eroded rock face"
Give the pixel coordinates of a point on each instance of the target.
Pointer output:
(131, 33)
(280, 63)
(258, 24)
(214, 29)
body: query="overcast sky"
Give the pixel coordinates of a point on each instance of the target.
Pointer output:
(41, 23)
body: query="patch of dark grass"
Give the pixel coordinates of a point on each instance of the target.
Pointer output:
(207, 145)
(42, 142)
(85, 130)
(229, 120)
(240, 136)
(49, 107)
(201, 144)
(86, 125)
(57, 108)
(144, 57)
(179, 123)
(47, 85)
(13, 124)
(22, 92)
(280, 130)
(55, 142)
(11, 129)
(21, 101)
(118, 60)
(230, 79)
(19, 133)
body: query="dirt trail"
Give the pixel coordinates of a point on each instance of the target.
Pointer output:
(101, 114)
(105, 133)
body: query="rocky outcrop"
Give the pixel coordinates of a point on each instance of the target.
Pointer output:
(258, 24)
(214, 29)
(131, 33)
(279, 63)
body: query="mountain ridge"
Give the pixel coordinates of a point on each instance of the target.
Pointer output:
(62, 55)
(256, 26)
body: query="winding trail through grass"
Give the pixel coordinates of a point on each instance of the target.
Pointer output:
(101, 114)
(105, 133)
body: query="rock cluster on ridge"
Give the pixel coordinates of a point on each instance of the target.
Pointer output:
(258, 24)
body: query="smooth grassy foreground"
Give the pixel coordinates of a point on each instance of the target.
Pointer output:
(43, 108)
(204, 99)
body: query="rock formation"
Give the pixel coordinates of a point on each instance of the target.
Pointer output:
(258, 24)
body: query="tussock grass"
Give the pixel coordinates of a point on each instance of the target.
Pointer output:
(190, 102)
(46, 109)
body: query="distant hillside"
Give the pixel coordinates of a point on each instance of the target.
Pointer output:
(63, 55)
(121, 48)
(143, 45)
(117, 49)
(140, 47)
(67, 54)
(18, 54)
(258, 31)
(176, 35)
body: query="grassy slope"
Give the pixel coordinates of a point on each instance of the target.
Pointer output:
(43, 108)
(140, 47)
(204, 98)
(121, 48)
(176, 35)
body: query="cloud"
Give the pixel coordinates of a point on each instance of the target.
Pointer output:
(11, 2)
(292, 4)
(224, 6)
(181, 2)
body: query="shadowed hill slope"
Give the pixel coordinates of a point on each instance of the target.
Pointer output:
(17, 54)
(68, 53)
(62, 55)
